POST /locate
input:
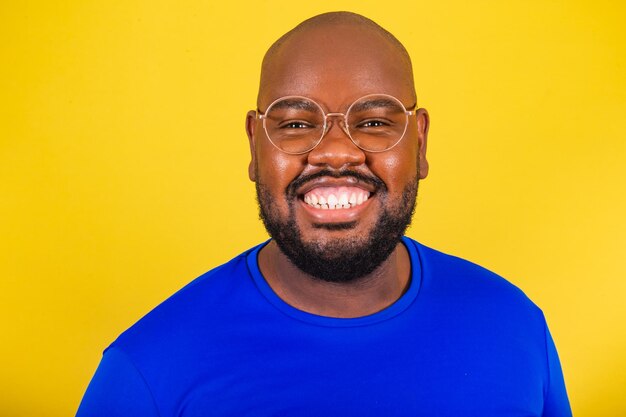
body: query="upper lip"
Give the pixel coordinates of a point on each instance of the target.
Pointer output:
(345, 181)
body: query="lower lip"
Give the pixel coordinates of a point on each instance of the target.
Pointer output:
(343, 215)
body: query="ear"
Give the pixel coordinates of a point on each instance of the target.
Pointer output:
(423, 123)
(251, 126)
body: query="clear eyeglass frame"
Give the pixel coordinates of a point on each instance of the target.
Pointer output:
(344, 125)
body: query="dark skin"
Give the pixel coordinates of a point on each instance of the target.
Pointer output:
(335, 65)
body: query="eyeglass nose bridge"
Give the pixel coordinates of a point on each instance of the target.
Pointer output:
(343, 124)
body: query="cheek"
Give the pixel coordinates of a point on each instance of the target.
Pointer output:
(396, 168)
(276, 169)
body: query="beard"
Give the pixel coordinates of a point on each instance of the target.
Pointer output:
(346, 259)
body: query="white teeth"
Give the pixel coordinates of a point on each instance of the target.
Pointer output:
(332, 201)
(342, 200)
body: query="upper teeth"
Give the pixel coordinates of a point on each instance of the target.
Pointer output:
(341, 197)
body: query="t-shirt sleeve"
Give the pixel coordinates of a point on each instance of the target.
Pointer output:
(556, 403)
(117, 389)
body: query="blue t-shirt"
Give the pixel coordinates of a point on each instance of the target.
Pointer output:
(460, 342)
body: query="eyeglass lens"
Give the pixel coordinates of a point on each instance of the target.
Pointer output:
(375, 123)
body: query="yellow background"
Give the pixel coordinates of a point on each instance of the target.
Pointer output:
(123, 167)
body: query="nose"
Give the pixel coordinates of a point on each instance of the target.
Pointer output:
(336, 150)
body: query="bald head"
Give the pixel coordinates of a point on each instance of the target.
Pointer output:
(326, 42)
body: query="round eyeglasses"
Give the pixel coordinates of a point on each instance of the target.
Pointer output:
(374, 123)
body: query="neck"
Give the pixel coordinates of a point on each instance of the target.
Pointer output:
(365, 296)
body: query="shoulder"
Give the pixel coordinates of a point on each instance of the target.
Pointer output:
(173, 343)
(208, 299)
(448, 277)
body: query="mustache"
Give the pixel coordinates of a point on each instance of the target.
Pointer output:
(373, 180)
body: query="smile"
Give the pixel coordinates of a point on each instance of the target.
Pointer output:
(336, 198)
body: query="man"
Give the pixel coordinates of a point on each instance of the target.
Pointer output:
(338, 314)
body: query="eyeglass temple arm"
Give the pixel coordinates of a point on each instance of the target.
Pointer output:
(259, 114)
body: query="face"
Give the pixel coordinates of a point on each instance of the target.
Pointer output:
(373, 193)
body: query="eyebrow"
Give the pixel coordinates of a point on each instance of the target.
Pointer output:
(374, 103)
(296, 104)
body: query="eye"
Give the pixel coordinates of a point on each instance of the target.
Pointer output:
(296, 124)
(372, 123)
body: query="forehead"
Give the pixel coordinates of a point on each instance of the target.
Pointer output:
(335, 65)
